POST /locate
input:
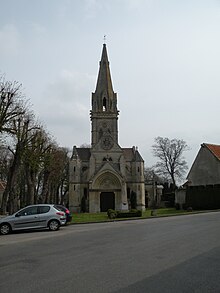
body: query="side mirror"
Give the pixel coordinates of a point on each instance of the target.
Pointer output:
(17, 215)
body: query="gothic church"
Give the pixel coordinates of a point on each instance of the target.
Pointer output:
(105, 175)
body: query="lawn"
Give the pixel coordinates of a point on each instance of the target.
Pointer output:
(100, 217)
(167, 211)
(87, 217)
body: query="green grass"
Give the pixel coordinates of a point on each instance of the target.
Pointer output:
(87, 217)
(169, 211)
(100, 217)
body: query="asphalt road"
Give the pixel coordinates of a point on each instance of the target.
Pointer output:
(175, 254)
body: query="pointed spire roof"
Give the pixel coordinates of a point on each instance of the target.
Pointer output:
(74, 154)
(104, 82)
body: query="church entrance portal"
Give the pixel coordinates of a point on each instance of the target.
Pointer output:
(107, 201)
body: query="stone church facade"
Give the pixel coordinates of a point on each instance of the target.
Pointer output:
(105, 175)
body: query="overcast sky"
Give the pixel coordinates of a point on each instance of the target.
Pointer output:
(164, 59)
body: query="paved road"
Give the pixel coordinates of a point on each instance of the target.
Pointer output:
(176, 254)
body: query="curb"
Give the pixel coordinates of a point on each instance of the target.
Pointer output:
(147, 218)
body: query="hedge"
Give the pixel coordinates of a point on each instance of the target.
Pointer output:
(112, 214)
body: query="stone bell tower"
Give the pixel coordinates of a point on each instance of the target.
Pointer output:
(104, 113)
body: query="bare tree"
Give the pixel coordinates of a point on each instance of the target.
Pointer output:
(171, 161)
(56, 175)
(33, 157)
(21, 128)
(5, 158)
(11, 104)
(86, 145)
(35, 168)
(151, 176)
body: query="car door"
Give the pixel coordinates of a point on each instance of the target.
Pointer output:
(44, 215)
(27, 218)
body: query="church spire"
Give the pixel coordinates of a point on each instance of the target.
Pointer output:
(104, 82)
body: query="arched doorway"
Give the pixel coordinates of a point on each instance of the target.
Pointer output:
(107, 201)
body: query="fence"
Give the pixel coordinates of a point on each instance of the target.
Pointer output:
(203, 197)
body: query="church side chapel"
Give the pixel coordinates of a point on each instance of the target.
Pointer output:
(105, 176)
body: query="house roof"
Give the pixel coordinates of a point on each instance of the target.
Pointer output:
(214, 149)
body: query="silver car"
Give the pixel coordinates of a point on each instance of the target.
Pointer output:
(33, 217)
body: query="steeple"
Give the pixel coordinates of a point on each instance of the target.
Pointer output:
(104, 113)
(104, 82)
(104, 98)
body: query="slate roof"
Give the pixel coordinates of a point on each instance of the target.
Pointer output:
(84, 153)
(214, 148)
(131, 154)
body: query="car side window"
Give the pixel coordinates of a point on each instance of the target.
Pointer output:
(60, 208)
(44, 209)
(29, 211)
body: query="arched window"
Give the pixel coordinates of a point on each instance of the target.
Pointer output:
(104, 104)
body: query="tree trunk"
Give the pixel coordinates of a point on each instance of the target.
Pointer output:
(31, 186)
(22, 190)
(9, 195)
(45, 188)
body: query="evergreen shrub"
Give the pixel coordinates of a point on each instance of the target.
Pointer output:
(112, 214)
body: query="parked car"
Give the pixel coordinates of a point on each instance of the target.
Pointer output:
(67, 212)
(33, 217)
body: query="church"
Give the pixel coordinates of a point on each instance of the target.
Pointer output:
(105, 176)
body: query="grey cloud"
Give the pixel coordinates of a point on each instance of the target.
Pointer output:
(9, 40)
(64, 106)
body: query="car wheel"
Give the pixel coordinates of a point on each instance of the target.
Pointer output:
(5, 229)
(54, 225)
